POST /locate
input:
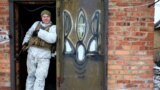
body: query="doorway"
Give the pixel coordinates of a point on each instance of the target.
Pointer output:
(81, 57)
(25, 13)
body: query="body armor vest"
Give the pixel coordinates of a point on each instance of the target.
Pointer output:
(36, 41)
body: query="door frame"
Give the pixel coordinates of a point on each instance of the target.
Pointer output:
(106, 17)
(12, 38)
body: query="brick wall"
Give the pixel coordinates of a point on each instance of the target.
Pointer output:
(130, 61)
(4, 46)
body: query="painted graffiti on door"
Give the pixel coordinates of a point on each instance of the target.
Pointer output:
(67, 27)
(81, 37)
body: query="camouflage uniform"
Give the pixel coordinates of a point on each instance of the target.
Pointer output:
(38, 58)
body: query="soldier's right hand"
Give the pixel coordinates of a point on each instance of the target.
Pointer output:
(35, 33)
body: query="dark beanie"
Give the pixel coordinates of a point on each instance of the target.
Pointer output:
(46, 12)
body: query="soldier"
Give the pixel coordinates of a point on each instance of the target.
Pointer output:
(39, 40)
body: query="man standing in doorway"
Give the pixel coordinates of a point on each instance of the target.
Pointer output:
(39, 40)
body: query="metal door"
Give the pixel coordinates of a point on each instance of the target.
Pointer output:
(81, 44)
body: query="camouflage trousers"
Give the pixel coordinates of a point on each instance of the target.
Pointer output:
(37, 72)
(156, 78)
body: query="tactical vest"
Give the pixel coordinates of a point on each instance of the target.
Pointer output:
(36, 41)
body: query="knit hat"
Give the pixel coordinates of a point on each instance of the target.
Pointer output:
(46, 12)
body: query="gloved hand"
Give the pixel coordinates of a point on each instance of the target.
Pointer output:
(35, 33)
(24, 47)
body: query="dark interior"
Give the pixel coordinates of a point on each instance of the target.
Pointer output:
(28, 14)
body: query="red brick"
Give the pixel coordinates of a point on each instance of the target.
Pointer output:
(5, 88)
(111, 24)
(116, 77)
(114, 67)
(137, 81)
(131, 85)
(123, 81)
(123, 23)
(121, 52)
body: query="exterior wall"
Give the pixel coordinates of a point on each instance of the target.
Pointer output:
(130, 54)
(4, 46)
(131, 36)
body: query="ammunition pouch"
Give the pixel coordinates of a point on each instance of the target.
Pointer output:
(35, 41)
